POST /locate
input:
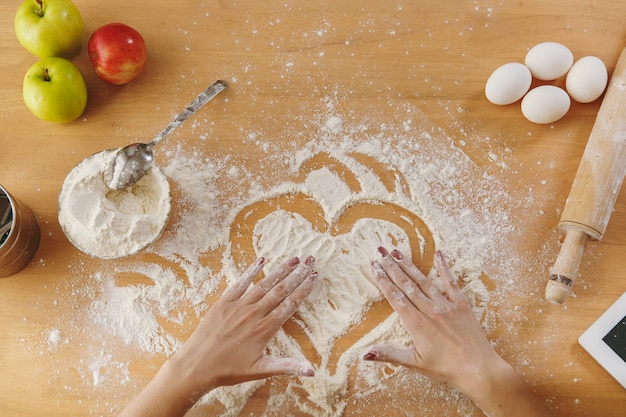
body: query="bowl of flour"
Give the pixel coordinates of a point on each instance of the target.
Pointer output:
(107, 223)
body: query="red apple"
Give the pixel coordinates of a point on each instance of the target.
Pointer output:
(117, 53)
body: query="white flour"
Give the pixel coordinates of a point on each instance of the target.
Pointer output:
(107, 223)
(399, 185)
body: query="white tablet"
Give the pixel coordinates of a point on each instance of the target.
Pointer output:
(605, 340)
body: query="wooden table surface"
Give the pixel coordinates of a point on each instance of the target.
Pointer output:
(283, 59)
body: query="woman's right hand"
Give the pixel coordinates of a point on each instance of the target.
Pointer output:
(449, 345)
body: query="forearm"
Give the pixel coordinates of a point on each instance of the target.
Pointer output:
(503, 394)
(165, 395)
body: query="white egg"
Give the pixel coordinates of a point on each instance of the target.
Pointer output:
(508, 83)
(545, 104)
(549, 60)
(587, 79)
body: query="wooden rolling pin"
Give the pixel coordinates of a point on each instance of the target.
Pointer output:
(595, 188)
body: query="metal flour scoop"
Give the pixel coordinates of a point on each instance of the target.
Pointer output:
(132, 162)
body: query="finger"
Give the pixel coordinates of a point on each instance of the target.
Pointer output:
(450, 281)
(266, 284)
(396, 297)
(427, 287)
(407, 279)
(289, 305)
(239, 287)
(279, 292)
(268, 366)
(392, 354)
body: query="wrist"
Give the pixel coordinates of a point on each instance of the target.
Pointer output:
(491, 386)
(500, 392)
(170, 393)
(179, 377)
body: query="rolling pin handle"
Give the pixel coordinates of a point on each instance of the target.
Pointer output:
(565, 269)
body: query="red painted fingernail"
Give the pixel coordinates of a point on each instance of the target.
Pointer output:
(383, 251)
(314, 275)
(260, 261)
(378, 270)
(307, 371)
(369, 356)
(294, 261)
(397, 255)
(309, 260)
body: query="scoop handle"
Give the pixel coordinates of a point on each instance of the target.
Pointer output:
(202, 99)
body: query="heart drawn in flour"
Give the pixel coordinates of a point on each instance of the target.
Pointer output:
(332, 215)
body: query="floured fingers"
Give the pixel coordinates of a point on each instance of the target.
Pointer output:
(271, 280)
(426, 289)
(285, 291)
(448, 278)
(239, 287)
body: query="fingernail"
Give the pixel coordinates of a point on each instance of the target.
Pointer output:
(378, 270)
(397, 255)
(260, 261)
(369, 355)
(383, 251)
(314, 275)
(439, 255)
(309, 260)
(294, 261)
(307, 370)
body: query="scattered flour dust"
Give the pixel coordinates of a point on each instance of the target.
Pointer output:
(405, 165)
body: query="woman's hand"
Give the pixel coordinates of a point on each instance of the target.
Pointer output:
(228, 347)
(449, 345)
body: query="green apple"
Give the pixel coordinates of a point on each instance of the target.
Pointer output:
(50, 28)
(55, 90)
